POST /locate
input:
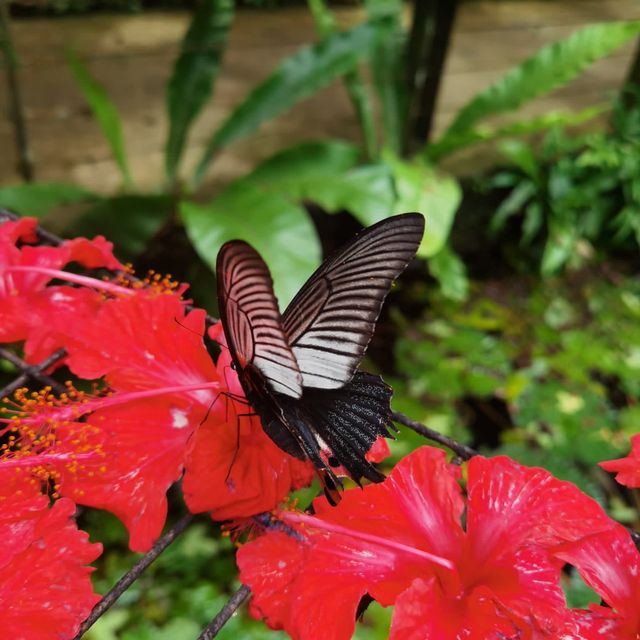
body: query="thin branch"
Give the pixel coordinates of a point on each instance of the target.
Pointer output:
(461, 450)
(233, 604)
(133, 574)
(34, 372)
(46, 237)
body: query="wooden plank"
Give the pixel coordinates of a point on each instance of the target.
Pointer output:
(132, 57)
(506, 15)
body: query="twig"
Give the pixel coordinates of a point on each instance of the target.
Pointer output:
(461, 450)
(32, 371)
(233, 604)
(5, 216)
(133, 574)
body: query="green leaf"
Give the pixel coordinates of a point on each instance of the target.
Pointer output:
(38, 198)
(305, 160)
(367, 192)
(377, 9)
(194, 73)
(551, 67)
(280, 231)
(512, 204)
(325, 21)
(388, 69)
(450, 272)
(452, 141)
(559, 247)
(522, 155)
(129, 221)
(322, 173)
(421, 188)
(326, 26)
(298, 77)
(104, 111)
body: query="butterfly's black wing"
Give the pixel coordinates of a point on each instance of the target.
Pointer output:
(251, 319)
(330, 321)
(336, 427)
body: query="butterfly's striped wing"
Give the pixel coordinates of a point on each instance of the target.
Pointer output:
(331, 320)
(251, 319)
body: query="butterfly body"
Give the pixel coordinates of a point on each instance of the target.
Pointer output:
(299, 370)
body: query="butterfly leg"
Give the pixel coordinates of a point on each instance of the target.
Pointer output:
(227, 394)
(235, 453)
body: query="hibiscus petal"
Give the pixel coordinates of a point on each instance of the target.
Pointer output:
(627, 468)
(510, 504)
(609, 562)
(141, 451)
(45, 590)
(151, 344)
(235, 470)
(275, 567)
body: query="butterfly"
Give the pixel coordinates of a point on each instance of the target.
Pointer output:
(299, 370)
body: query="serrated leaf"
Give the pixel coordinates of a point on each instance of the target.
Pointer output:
(279, 230)
(298, 77)
(552, 66)
(38, 198)
(448, 143)
(103, 110)
(130, 221)
(420, 188)
(194, 73)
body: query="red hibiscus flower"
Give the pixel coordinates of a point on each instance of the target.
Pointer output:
(609, 563)
(403, 542)
(45, 590)
(167, 412)
(627, 468)
(26, 302)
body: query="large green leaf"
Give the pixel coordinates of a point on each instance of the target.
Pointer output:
(421, 188)
(367, 192)
(551, 67)
(104, 111)
(129, 221)
(194, 73)
(298, 77)
(307, 159)
(38, 198)
(324, 173)
(280, 230)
